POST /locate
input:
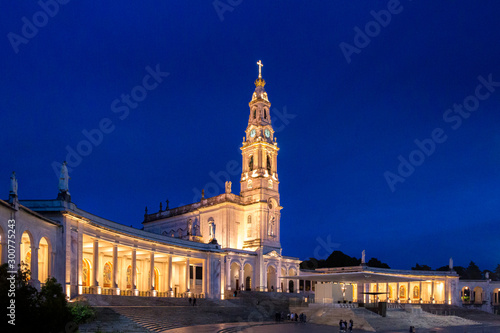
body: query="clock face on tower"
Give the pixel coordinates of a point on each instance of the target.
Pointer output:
(267, 132)
(252, 133)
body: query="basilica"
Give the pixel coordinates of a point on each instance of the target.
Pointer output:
(209, 248)
(205, 249)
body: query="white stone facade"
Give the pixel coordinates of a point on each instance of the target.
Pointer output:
(206, 249)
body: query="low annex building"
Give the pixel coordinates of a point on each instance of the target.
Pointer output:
(205, 249)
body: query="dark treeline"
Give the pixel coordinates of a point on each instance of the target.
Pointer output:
(339, 259)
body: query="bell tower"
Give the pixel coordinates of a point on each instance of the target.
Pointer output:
(259, 179)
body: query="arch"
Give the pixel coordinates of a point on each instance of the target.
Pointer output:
(478, 295)
(402, 292)
(391, 292)
(465, 294)
(248, 273)
(496, 296)
(268, 164)
(265, 114)
(416, 292)
(235, 275)
(254, 113)
(250, 163)
(271, 278)
(26, 244)
(86, 272)
(156, 281)
(44, 250)
(107, 274)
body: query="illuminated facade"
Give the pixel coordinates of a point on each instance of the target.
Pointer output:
(206, 249)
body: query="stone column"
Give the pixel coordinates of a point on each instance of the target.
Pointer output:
(114, 283)
(152, 272)
(408, 292)
(420, 291)
(134, 272)
(3, 249)
(34, 266)
(397, 293)
(188, 284)
(228, 273)
(432, 291)
(203, 276)
(79, 263)
(169, 276)
(95, 264)
(387, 292)
(52, 258)
(377, 298)
(242, 277)
(446, 291)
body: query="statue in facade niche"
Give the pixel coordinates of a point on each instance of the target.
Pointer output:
(270, 230)
(190, 227)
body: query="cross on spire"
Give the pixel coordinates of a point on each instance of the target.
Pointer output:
(260, 68)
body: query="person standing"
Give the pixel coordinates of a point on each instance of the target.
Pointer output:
(351, 324)
(190, 300)
(194, 301)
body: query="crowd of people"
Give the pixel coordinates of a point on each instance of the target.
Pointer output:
(302, 318)
(343, 327)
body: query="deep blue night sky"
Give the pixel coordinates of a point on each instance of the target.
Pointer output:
(346, 124)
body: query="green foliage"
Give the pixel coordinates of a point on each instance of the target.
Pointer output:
(35, 311)
(82, 312)
(421, 268)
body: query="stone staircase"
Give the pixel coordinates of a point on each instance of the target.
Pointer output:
(158, 314)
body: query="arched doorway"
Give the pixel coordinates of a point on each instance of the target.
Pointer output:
(402, 292)
(271, 278)
(86, 271)
(26, 259)
(478, 295)
(465, 295)
(291, 288)
(44, 250)
(248, 272)
(156, 281)
(235, 276)
(107, 274)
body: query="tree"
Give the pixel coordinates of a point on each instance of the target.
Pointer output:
(473, 272)
(444, 268)
(374, 262)
(339, 259)
(421, 268)
(497, 273)
(44, 311)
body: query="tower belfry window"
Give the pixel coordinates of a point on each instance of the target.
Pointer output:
(268, 164)
(265, 114)
(254, 113)
(250, 163)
